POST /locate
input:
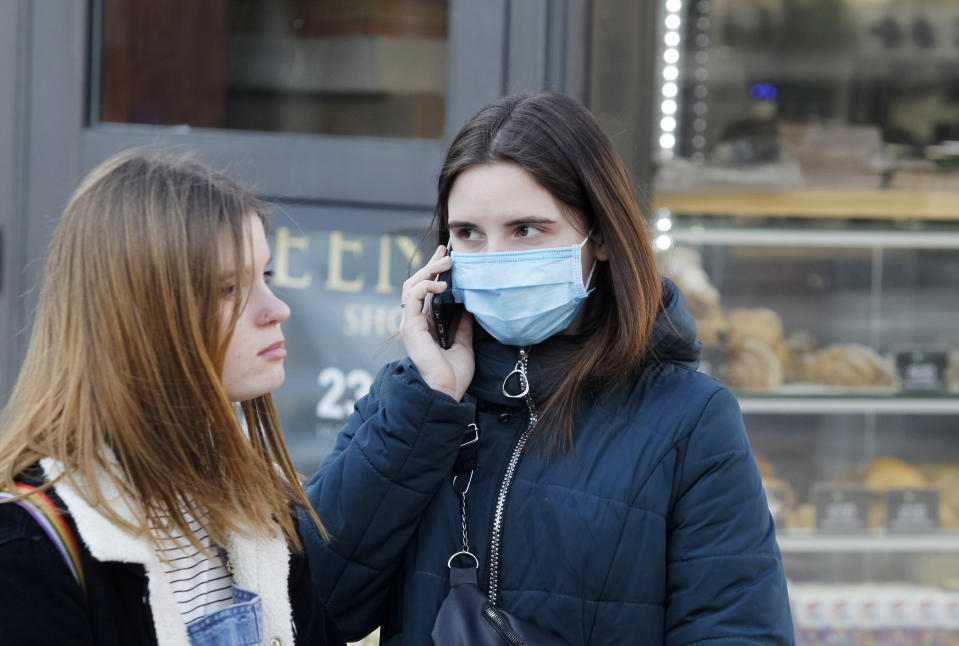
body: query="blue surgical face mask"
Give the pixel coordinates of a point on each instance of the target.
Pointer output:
(522, 297)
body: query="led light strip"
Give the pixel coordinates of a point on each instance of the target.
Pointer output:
(669, 107)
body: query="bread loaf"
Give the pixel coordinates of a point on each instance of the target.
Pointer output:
(799, 347)
(945, 477)
(889, 472)
(848, 365)
(761, 324)
(753, 366)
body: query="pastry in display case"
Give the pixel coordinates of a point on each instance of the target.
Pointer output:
(806, 203)
(758, 353)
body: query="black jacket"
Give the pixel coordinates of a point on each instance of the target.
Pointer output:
(41, 603)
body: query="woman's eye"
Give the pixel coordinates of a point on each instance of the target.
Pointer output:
(268, 276)
(466, 234)
(526, 231)
(229, 290)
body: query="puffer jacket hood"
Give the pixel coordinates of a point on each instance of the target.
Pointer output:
(674, 333)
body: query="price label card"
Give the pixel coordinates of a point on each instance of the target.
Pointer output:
(912, 510)
(841, 508)
(776, 498)
(922, 370)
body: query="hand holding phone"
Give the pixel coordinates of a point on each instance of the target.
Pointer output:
(445, 310)
(447, 368)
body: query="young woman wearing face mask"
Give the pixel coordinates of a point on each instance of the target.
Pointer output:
(137, 507)
(614, 498)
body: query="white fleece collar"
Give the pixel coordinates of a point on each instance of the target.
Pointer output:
(260, 563)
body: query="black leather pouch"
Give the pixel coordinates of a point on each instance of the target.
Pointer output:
(467, 618)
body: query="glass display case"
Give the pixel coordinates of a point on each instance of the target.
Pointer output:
(806, 201)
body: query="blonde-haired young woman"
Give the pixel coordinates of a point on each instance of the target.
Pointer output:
(155, 318)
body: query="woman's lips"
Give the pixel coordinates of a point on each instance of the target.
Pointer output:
(275, 351)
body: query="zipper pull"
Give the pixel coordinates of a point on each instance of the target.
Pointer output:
(520, 371)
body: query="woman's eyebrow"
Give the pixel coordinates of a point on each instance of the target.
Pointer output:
(530, 219)
(247, 269)
(525, 219)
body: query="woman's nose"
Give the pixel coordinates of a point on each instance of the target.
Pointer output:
(495, 243)
(275, 310)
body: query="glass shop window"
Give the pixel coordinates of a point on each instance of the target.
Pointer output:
(337, 67)
(813, 94)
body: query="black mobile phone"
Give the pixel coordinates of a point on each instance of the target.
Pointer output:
(446, 311)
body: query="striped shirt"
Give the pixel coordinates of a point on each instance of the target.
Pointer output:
(200, 585)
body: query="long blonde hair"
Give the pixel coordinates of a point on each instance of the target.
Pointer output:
(122, 374)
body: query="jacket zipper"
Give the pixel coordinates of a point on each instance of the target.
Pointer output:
(496, 532)
(491, 614)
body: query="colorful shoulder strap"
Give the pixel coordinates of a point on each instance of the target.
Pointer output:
(39, 505)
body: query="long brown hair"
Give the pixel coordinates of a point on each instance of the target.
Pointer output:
(122, 374)
(556, 140)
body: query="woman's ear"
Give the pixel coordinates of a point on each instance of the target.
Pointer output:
(599, 247)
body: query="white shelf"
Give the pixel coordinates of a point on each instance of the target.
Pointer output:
(820, 238)
(852, 405)
(800, 542)
(825, 203)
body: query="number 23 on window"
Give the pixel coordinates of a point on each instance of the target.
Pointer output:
(340, 391)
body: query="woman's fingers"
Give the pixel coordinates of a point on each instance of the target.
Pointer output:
(439, 262)
(424, 281)
(416, 295)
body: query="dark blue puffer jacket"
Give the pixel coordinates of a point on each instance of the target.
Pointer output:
(655, 530)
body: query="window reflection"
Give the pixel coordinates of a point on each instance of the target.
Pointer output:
(345, 67)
